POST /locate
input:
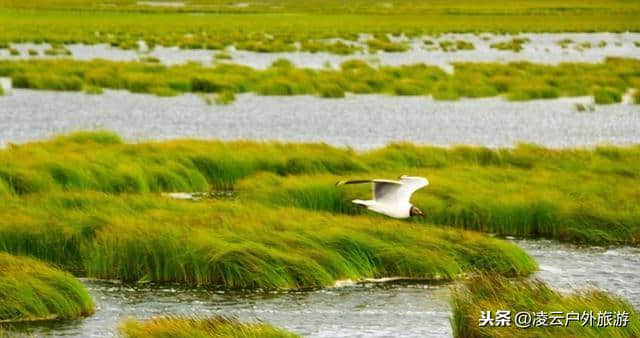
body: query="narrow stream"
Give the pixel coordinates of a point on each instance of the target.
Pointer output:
(369, 310)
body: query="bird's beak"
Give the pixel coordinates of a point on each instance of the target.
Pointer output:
(416, 212)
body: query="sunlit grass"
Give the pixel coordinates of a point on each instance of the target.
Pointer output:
(275, 25)
(576, 195)
(493, 293)
(238, 244)
(384, 44)
(338, 47)
(606, 81)
(607, 96)
(452, 46)
(189, 327)
(32, 290)
(514, 44)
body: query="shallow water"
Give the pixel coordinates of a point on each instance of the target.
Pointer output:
(543, 48)
(365, 310)
(567, 267)
(359, 121)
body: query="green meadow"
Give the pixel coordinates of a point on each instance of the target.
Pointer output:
(576, 195)
(493, 293)
(275, 25)
(188, 327)
(606, 82)
(31, 290)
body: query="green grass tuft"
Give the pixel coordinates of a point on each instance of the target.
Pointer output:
(384, 44)
(607, 96)
(452, 46)
(31, 290)
(93, 90)
(225, 97)
(200, 327)
(515, 44)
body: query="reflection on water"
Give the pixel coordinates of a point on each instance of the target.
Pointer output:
(359, 121)
(373, 310)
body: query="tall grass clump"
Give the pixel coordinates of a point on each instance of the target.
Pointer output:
(607, 96)
(239, 244)
(493, 293)
(452, 46)
(32, 290)
(515, 44)
(225, 97)
(338, 47)
(200, 327)
(383, 43)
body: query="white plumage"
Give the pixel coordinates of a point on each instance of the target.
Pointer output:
(392, 197)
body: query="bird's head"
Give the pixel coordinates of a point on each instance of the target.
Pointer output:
(415, 211)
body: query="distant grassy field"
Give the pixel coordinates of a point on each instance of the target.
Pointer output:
(587, 196)
(606, 82)
(493, 293)
(201, 328)
(32, 290)
(334, 6)
(277, 24)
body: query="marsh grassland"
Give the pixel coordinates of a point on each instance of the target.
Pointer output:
(607, 82)
(269, 26)
(576, 195)
(89, 203)
(272, 219)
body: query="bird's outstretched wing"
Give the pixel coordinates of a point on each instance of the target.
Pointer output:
(383, 190)
(411, 184)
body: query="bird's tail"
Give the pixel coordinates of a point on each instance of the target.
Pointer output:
(363, 203)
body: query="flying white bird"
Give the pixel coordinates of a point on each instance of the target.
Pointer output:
(391, 197)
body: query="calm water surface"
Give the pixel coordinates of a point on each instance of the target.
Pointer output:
(358, 310)
(359, 121)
